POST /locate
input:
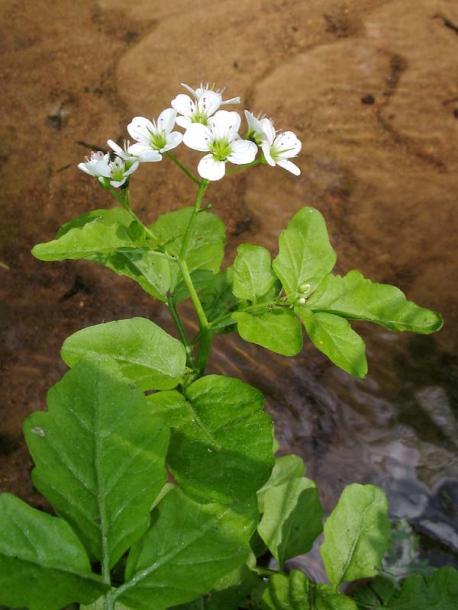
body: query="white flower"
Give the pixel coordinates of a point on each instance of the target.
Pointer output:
(121, 170)
(123, 153)
(206, 103)
(222, 143)
(257, 127)
(278, 149)
(98, 164)
(108, 172)
(153, 137)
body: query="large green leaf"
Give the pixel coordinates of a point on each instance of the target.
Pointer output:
(277, 331)
(334, 336)
(292, 518)
(287, 468)
(218, 299)
(43, 565)
(305, 256)
(99, 457)
(253, 275)
(436, 592)
(206, 245)
(353, 296)
(147, 355)
(188, 549)
(356, 534)
(94, 236)
(296, 592)
(221, 441)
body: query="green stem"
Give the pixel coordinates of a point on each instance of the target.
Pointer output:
(182, 167)
(249, 308)
(124, 200)
(171, 306)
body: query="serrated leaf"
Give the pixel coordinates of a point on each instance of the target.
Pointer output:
(147, 355)
(305, 256)
(436, 592)
(43, 565)
(253, 275)
(296, 592)
(206, 245)
(99, 457)
(188, 549)
(356, 534)
(221, 440)
(334, 336)
(353, 296)
(277, 331)
(292, 518)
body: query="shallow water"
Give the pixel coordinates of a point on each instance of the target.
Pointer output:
(371, 88)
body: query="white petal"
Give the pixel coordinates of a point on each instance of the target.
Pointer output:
(242, 151)
(144, 152)
(225, 125)
(198, 137)
(268, 130)
(183, 121)
(191, 91)
(102, 169)
(86, 168)
(183, 104)
(173, 140)
(209, 102)
(211, 169)
(266, 150)
(140, 128)
(291, 167)
(287, 145)
(166, 120)
(117, 149)
(131, 169)
(233, 100)
(117, 183)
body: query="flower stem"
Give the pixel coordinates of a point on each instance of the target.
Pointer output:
(240, 167)
(182, 167)
(171, 306)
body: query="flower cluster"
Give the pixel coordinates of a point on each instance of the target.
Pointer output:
(208, 129)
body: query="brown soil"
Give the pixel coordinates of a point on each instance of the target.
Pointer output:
(369, 86)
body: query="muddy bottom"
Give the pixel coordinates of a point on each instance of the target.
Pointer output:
(371, 89)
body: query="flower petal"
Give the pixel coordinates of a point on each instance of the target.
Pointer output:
(144, 152)
(198, 137)
(209, 102)
(184, 105)
(140, 128)
(166, 120)
(210, 169)
(225, 125)
(242, 151)
(173, 140)
(291, 167)
(266, 150)
(287, 145)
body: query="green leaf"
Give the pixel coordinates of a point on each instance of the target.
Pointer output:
(353, 296)
(306, 256)
(99, 457)
(292, 518)
(437, 592)
(94, 236)
(206, 245)
(334, 336)
(287, 468)
(356, 534)
(218, 300)
(221, 441)
(295, 592)
(147, 355)
(253, 275)
(43, 565)
(188, 549)
(278, 331)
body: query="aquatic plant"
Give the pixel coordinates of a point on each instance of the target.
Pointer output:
(164, 479)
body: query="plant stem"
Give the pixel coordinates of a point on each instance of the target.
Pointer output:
(240, 167)
(182, 167)
(171, 306)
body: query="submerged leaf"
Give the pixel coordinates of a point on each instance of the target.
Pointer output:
(147, 355)
(99, 457)
(43, 565)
